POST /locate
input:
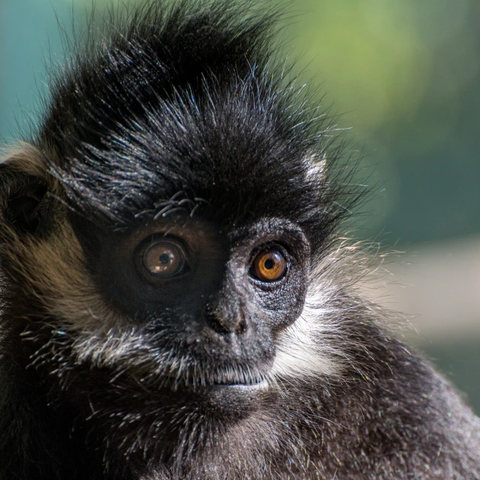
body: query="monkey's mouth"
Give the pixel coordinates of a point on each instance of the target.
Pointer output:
(261, 385)
(233, 383)
(227, 395)
(205, 381)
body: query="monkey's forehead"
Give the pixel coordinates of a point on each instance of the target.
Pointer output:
(226, 152)
(227, 157)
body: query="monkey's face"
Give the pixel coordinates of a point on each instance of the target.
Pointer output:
(201, 305)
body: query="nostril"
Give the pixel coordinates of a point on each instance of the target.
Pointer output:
(241, 326)
(217, 325)
(224, 325)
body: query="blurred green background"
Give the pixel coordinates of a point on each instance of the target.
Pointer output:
(405, 75)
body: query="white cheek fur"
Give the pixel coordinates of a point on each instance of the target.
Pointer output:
(313, 345)
(304, 348)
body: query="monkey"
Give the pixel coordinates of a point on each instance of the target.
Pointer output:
(178, 301)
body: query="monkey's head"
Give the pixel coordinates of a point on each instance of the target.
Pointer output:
(164, 233)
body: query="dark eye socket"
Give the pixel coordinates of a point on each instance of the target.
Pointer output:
(270, 265)
(163, 259)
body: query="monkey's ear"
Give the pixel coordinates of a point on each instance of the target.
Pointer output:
(24, 192)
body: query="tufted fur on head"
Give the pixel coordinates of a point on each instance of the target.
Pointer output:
(177, 125)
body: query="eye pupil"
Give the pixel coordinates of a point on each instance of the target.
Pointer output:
(269, 263)
(164, 258)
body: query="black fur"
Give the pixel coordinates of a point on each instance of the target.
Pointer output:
(178, 124)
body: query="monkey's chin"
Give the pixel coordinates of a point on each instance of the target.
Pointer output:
(237, 400)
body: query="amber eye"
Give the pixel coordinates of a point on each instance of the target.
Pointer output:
(269, 266)
(164, 259)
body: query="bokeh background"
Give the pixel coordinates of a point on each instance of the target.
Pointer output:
(405, 77)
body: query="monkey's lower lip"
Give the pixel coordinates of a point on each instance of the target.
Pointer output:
(233, 400)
